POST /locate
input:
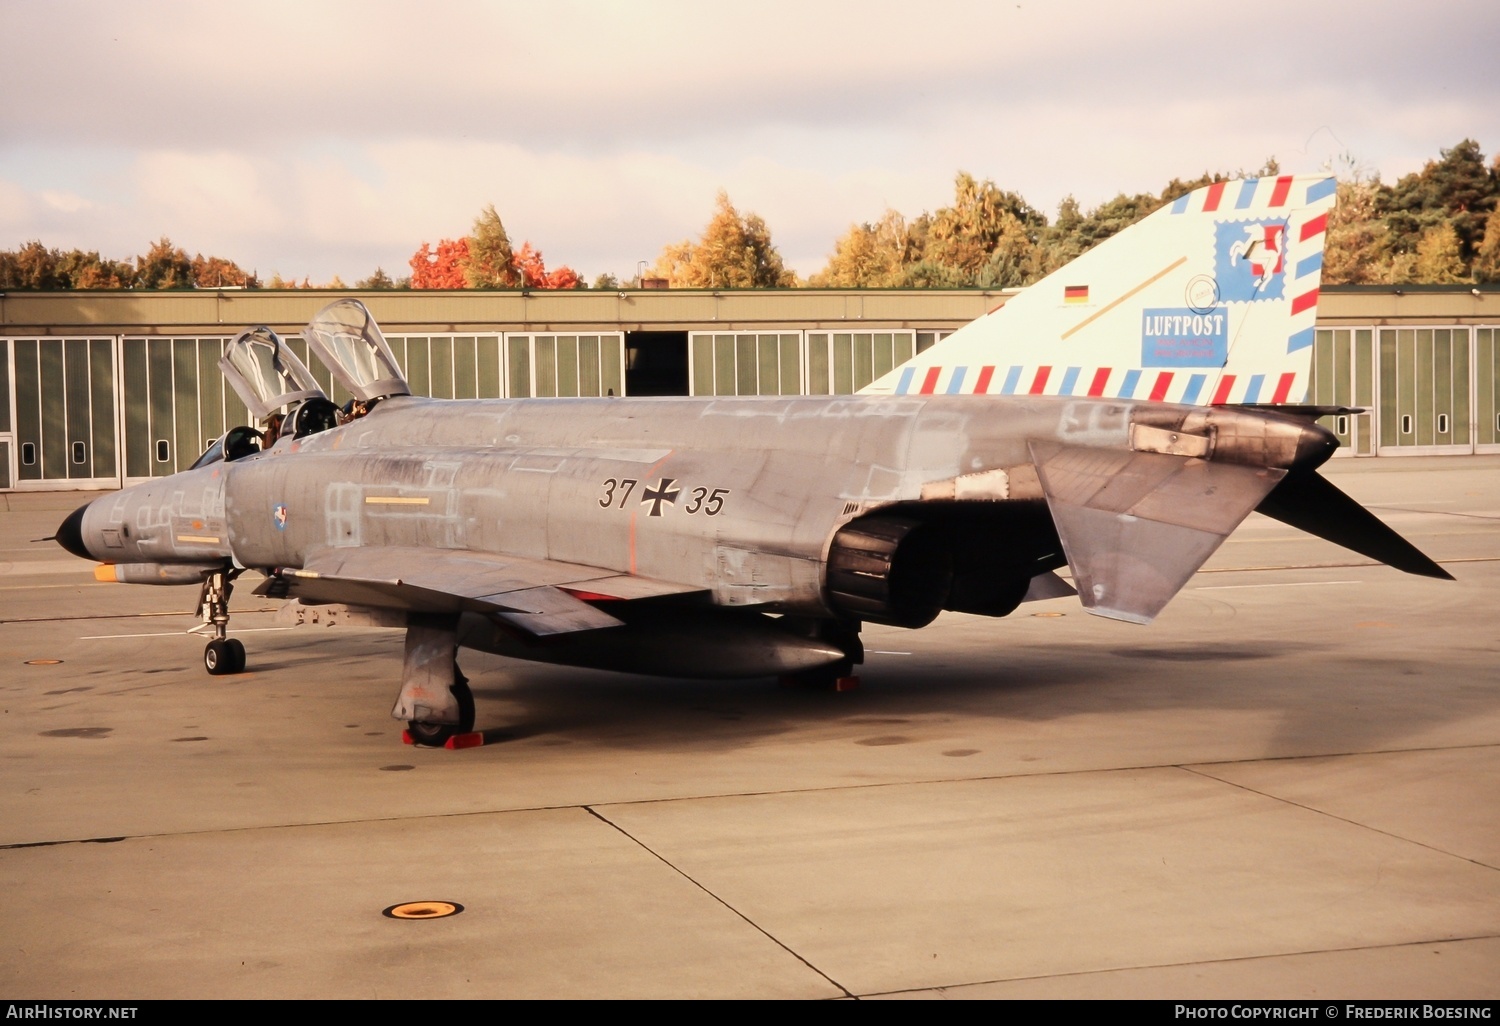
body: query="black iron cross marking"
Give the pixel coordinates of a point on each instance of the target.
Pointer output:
(663, 492)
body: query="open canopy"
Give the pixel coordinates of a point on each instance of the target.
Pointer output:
(348, 341)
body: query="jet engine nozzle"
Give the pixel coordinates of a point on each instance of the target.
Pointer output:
(70, 533)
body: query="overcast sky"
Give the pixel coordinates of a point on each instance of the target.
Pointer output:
(314, 139)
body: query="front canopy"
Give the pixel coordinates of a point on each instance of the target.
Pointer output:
(265, 373)
(348, 341)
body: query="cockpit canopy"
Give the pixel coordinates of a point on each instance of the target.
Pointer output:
(265, 373)
(348, 341)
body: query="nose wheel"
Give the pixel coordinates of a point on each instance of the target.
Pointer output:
(223, 655)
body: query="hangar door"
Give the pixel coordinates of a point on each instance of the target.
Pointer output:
(59, 424)
(1343, 374)
(1487, 389)
(1425, 401)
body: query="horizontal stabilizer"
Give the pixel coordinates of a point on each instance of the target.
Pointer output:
(1310, 502)
(1136, 525)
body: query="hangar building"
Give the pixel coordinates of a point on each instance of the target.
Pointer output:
(103, 389)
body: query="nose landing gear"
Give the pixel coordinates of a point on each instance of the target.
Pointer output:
(222, 655)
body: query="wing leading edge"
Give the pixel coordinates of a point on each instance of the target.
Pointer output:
(538, 596)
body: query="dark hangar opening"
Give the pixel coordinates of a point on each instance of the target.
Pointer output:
(656, 363)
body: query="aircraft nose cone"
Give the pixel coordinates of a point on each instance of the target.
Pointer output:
(70, 534)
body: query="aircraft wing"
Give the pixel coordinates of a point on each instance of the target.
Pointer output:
(539, 596)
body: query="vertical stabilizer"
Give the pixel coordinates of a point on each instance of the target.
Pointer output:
(1209, 300)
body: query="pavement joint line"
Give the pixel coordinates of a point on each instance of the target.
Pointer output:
(1341, 819)
(591, 809)
(1333, 566)
(690, 879)
(1435, 512)
(1204, 961)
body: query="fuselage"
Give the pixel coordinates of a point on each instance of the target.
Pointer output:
(741, 497)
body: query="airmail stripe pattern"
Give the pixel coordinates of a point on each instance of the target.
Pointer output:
(1106, 383)
(1211, 299)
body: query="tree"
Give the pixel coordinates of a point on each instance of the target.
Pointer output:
(164, 266)
(216, 272)
(1487, 260)
(533, 271)
(33, 266)
(440, 269)
(491, 263)
(868, 256)
(378, 280)
(606, 281)
(1438, 261)
(982, 219)
(733, 252)
(1356, 249)
(88, 270)
(1457, 188)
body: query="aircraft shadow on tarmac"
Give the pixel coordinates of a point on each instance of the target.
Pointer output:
(1326, 698)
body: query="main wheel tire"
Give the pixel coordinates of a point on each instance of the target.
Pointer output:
(218, 658)
(237, 654)
(435, 735)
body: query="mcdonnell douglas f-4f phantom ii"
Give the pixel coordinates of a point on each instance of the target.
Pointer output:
(738, 537)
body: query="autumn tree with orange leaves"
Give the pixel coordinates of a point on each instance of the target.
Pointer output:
(443, 268)
(485, 259)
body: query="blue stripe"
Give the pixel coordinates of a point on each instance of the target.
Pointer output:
(1194, 386)
(956, 383)
(1252, 393)
(1247, 193)
(1127, 387)
(1012, 377)
(904, 385)
(1318, 190)
(1300, 340)
(1069, 380)
(1311, 264)
(1180, 204)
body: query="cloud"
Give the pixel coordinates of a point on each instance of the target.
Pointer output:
(330, 138)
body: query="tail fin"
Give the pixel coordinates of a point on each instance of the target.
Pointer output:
(1209, 300)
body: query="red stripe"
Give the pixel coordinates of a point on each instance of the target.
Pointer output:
(1282, 388)
(1316, 226)
(1215, 193)
(1159, 390)
(1221, 394)
(1040, 381)
(1306, 301)
(930, 381)
(1283, 186)
(1101, 378)
(983, 384)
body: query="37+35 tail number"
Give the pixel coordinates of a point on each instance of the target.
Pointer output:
(708, 501)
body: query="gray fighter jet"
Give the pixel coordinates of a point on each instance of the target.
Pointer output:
(702, 537)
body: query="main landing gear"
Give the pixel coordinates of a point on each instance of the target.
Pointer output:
(435, 700)
(223, 654)
(435, 735)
